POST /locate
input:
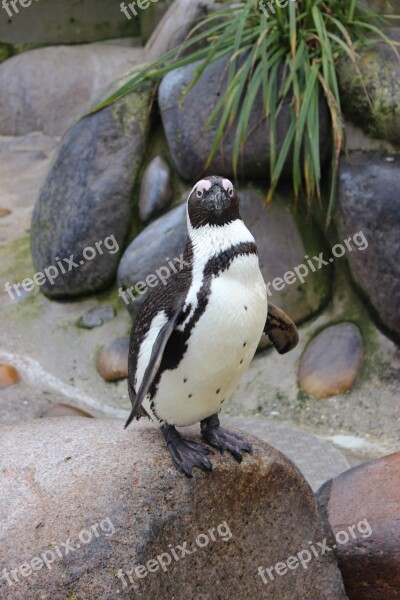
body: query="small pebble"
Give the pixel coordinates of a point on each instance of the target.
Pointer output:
(332, 361)
(96, 316)
(8, 376)
(4, 212)
(112, 360)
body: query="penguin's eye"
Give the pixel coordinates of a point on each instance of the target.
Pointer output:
(199, 193)
(230, 192)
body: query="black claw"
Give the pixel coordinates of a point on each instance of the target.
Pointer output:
(185, 454)
(222, 439)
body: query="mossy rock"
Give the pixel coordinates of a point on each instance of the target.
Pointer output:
(377, 73)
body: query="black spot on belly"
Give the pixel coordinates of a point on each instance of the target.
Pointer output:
(245, 308)
(190, 395)
(184, 380)
(244, 344)
(241, 361)
(218, 390)
(222, 400)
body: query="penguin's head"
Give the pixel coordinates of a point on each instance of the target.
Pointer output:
(213, 201)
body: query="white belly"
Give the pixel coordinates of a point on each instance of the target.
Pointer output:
(221, 347)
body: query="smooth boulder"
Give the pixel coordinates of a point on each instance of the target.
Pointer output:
(47, 89)
(85, 201)
(115, 507)
(332, 361)
(369, 203)
(190, 142)
(364, 503)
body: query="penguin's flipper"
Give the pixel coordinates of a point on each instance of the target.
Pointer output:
(154, 364)
(281, 330)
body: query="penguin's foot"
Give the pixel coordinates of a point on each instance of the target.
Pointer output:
(185, 454)
(221, 438)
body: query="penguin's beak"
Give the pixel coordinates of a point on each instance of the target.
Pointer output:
(217, 200)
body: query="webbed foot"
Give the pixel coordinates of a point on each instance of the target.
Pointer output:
(185, 454)
(222, 439)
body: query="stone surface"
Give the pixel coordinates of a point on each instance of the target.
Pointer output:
(4, 212)
(368, 202)
(155, 189)
(96, 316)
(47, 89)
(379, 67)
(175, 25)
(283, 239)
(86, 197)
(66, 23)
(123, 482)
(8, 376)
(370, 495)
(112, 360)
(317, 459)
(190, 143)
(332, 361)
(65, 410)
(147, 253)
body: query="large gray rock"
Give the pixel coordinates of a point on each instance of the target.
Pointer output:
(47, 89)
(150, 252)
(120, 503)
(283, 240)
(87, 195)
(190, 143)
(378, 73)
(368, 202)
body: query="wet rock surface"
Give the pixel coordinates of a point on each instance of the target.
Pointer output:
(368, 201)
(112, 360)
(47, 89)
(367, 496)
(332, 361)
(121, 504)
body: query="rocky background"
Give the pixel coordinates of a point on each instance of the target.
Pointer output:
(70, 178)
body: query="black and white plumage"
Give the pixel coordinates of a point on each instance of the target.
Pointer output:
(195, 336)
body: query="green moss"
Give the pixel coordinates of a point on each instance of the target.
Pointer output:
(6, 51)
(16, 259)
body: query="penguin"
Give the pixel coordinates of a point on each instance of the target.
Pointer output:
(195, 336)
